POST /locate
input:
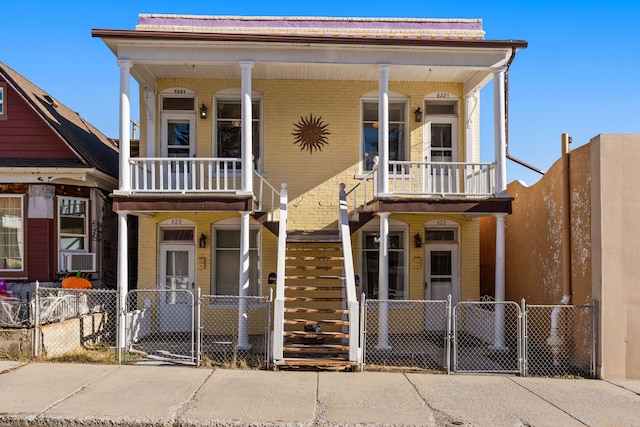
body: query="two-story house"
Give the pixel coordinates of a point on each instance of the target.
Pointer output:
(232, 107)
(56, 174)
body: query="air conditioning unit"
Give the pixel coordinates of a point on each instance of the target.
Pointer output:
(78, 261)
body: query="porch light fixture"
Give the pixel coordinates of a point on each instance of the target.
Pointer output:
(203, 241)
(417, 240)
(418, 115)
(203, 111)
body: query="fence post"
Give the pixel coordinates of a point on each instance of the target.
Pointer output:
(363, 319)
(448, 338)
(594, 337)
(522, 338)
(36, 320)
(198, 326)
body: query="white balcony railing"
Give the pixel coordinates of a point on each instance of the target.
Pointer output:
(441, 179)
(184, 175)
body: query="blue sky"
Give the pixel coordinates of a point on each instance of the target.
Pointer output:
(578, 76)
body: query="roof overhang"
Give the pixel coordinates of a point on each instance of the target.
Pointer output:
(84, 177)
(158, 54)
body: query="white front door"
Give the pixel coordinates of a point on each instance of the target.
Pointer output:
(441, 145)
(179, 146)
(441, 272)
(176, 279)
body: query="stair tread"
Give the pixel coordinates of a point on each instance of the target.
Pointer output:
(314, 361)
(311, 258)
(314, 310)
(315, 348)
(316, 322)
(303, 334)
(315, 277)
(310, 249)
(312, 288)
(311, 299)
(314, 267)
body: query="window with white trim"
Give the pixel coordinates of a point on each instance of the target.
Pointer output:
(397, 264)
(228, 129)
(73, 226)
(3, 101)
(397, 131)
(226, 261)
(11, 233)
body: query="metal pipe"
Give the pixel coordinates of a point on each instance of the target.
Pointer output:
(506, 114)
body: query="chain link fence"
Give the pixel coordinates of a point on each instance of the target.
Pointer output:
(160, 326)
(235, 331)
(559, 340)
(409, 334)
(72, 321)
(487, 337)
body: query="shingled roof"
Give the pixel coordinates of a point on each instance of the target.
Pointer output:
(91, 146)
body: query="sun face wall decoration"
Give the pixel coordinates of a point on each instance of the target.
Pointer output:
(310, 133)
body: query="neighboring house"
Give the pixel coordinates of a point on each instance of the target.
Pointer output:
(571, 240)
(56, 173)
(231, 105)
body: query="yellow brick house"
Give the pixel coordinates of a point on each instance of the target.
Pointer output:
(321, 158)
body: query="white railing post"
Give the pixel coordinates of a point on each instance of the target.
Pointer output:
(278, 306)
(355, 354)
(36, 320)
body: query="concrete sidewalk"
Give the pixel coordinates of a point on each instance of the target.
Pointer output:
(47, 394)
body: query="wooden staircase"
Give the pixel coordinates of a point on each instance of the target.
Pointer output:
(316, 316)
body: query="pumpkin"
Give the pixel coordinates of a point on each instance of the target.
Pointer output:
(76, 283)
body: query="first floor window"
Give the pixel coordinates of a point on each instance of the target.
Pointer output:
(73, 224)
(370, 265)
(397, 125)
(227, 262)
(11, 233)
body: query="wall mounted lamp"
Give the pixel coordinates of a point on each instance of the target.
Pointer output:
(203, 111)
(418, 114)
(417, 240)
(203, 241)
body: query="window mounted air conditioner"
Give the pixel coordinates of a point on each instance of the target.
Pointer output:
(78, 261)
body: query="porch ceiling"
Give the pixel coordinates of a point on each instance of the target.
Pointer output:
(162, 55)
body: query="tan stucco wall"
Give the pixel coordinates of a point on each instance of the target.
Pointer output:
(604, 247)
(615, 230)
(534, 235)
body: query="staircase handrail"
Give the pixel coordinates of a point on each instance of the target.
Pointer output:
(278, 309)
(373, 173)
(274, 193)
(355, 353)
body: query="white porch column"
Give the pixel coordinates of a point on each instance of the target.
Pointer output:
(243, 280)
(122, 279)
(125, 120)
(471, 146)
(383, 283)
(500, 129)
(150, 110)
(246, 130)
(383, 129)
(498, 337)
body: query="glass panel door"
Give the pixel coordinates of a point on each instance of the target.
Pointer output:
(176, 280)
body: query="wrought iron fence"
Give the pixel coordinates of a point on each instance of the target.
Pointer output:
(71, 321)
(160, 326)
(234, 331)
(406, 334)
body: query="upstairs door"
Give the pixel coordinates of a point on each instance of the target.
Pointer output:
(441, 145)
(180, 148)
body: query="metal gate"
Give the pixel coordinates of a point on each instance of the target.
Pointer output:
(160, 326)
(487, 337)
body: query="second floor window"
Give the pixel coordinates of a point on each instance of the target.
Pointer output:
(228, 129)
(3, 101)
(397, 126)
